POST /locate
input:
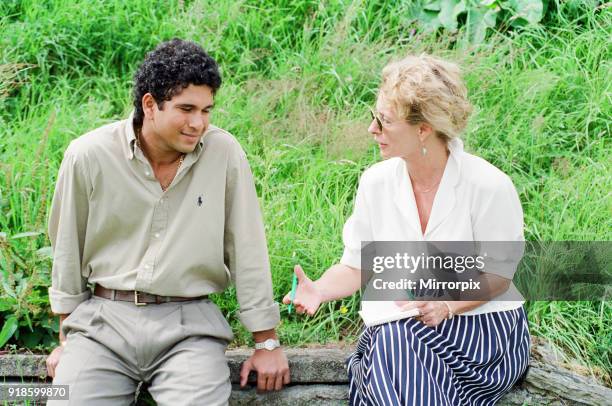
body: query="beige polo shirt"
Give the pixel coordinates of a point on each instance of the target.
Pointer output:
(111, 224)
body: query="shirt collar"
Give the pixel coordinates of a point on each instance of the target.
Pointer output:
(130, 138)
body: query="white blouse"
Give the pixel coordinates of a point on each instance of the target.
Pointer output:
(475, 201)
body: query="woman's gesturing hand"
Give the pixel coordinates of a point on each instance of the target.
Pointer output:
(307, 295)
(432, 313)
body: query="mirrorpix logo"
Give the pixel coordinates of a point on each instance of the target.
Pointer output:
(200, 200)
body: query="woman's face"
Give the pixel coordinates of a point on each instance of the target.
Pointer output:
(396, 138)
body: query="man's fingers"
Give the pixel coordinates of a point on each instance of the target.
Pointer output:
(278, 385)
(270, 382)
(287, 377)
(244, 372)
(286, 299)
(51, 362)
(50, 369)
(261, 381)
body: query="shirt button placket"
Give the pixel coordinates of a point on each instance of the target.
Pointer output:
(160, 215)
(160, 218)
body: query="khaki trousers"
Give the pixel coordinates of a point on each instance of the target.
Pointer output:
(177, 348)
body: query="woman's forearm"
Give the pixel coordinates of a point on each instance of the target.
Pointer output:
(338, 281)
(463, 306)
(495, 286)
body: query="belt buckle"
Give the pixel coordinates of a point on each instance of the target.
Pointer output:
(136, 302)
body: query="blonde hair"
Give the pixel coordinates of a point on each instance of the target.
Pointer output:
(427, 89)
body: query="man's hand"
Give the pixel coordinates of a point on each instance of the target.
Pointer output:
(272, 369)
(54, 357)
(53, 360)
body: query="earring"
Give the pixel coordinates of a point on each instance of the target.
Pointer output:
(423, 149)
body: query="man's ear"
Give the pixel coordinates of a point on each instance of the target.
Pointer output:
(425, 131)
(148, 105)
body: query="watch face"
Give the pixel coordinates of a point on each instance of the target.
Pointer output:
(270, 344)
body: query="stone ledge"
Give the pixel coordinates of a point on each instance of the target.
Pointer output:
(310, 366)
(319, 378)
(295, 395)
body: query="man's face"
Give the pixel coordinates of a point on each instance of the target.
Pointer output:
(182, 121)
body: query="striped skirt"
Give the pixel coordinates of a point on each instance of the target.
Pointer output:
(468, 360)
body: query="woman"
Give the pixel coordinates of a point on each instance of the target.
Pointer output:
(428, 189)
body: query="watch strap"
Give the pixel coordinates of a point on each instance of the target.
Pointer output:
(269, 344)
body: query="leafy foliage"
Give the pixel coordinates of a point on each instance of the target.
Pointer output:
(479, 17)
(24, 298)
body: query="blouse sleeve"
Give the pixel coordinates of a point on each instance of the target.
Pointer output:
(357, 229)
(498, 228)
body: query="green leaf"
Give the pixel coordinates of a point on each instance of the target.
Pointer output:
(7, 303)
(28, 321)
(26, 234)
(490, 18)
(8, 289)
(478, 21)
(433, 5)
(530, 10)
(31, 339)
(55, 324)
(449, 10)
(17, 260)
(430, 20)
(9, 328)
(45, 252)
(49, 341)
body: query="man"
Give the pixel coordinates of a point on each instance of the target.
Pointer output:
(158, 211)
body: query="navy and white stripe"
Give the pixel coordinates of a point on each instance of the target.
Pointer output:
(468, 360)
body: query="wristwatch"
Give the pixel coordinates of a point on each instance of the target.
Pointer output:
(270, 344)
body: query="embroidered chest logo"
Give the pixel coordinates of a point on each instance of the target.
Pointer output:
(200, 201)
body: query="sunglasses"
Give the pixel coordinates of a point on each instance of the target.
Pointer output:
(378, 120)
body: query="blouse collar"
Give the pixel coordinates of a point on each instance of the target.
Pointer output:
(444, 200)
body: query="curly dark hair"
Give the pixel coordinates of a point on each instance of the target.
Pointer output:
(170, 68)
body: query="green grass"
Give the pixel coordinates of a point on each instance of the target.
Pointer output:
(298, 80)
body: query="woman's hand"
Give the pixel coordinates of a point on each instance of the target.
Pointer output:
(432, 312)
(308, 298)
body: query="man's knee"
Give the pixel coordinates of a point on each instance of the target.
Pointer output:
(194, 372)
(94, 375)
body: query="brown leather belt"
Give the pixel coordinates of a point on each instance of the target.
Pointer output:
(139, 298)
